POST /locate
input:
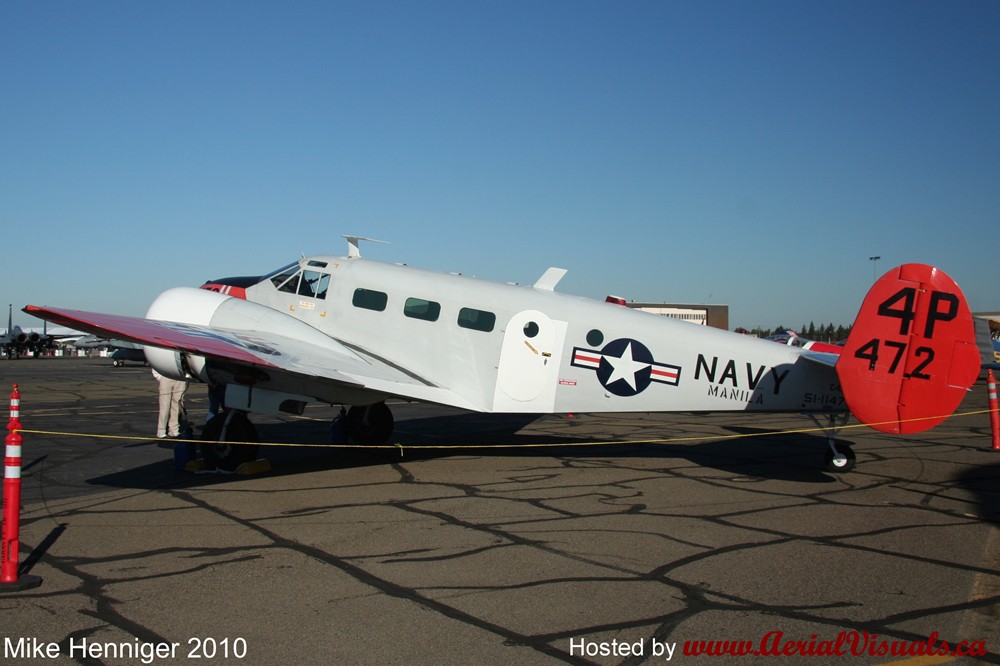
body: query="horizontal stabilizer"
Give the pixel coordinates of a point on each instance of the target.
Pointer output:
(828, 359)
(989, 349)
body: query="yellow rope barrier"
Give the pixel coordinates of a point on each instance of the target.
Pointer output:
(401, 447)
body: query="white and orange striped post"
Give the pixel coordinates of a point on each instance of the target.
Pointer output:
(9, 580)
(991, 388)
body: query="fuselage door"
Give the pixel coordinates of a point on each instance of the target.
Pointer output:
(529, 361)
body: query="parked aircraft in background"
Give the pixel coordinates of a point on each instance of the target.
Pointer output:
(121, 350)
(795, 340)
(353, 331)
(16, 341)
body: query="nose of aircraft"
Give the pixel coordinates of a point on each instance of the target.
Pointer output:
(234, 286)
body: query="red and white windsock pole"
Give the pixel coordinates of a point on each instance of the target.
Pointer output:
(991, 388)
(9, 580)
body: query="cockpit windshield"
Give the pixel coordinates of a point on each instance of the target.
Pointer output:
(280, 271)
(289, 276)
(291, 279)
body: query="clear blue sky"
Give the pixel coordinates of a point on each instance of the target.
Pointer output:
(748, 153)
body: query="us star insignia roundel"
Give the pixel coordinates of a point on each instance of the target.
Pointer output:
(625, 367)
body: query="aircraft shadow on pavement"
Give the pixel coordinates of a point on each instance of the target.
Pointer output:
(766, 454)
(984, 484)
(758, 453)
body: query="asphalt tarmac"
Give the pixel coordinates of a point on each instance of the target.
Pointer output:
(602, 539)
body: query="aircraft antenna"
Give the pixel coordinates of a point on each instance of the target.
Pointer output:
(550, 278)
(354, 244)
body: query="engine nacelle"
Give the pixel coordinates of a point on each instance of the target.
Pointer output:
(166, 362)
(201, 307)
(185, 306)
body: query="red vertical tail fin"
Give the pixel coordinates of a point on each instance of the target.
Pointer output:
(912, 353)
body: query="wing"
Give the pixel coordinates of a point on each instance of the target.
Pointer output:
(331, 360)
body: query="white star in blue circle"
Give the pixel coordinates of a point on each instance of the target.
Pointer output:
(626, 367)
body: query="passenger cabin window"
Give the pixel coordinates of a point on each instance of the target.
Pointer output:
(418, 308)
(370, 299)
(477, 320)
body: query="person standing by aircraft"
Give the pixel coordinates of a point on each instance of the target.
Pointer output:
(171, 400)
(216, 400)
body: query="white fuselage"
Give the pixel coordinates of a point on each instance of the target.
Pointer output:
(508, 348)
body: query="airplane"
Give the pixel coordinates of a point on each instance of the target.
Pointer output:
(995, 364)
(16, 341)
(794, 339)
(353, 331)
(122, 351)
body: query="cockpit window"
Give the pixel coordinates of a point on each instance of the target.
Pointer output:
(279, 271)
(281, 277)
(290, 286)
(314, 284)
(291, 279)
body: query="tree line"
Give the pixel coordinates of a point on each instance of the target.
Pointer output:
(821, 333)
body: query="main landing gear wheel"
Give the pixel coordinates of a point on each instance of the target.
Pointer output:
(370, 424)
(840, 458)
(232, 426)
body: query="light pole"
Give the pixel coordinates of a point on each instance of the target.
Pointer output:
(874, 261)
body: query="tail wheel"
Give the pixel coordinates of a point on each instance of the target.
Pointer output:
(840, 458)
(232, 426)
(370, 424)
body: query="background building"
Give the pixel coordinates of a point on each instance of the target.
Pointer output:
(716, 316)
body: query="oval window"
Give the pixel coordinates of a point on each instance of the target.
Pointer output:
(595, 338)
(531, 329)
